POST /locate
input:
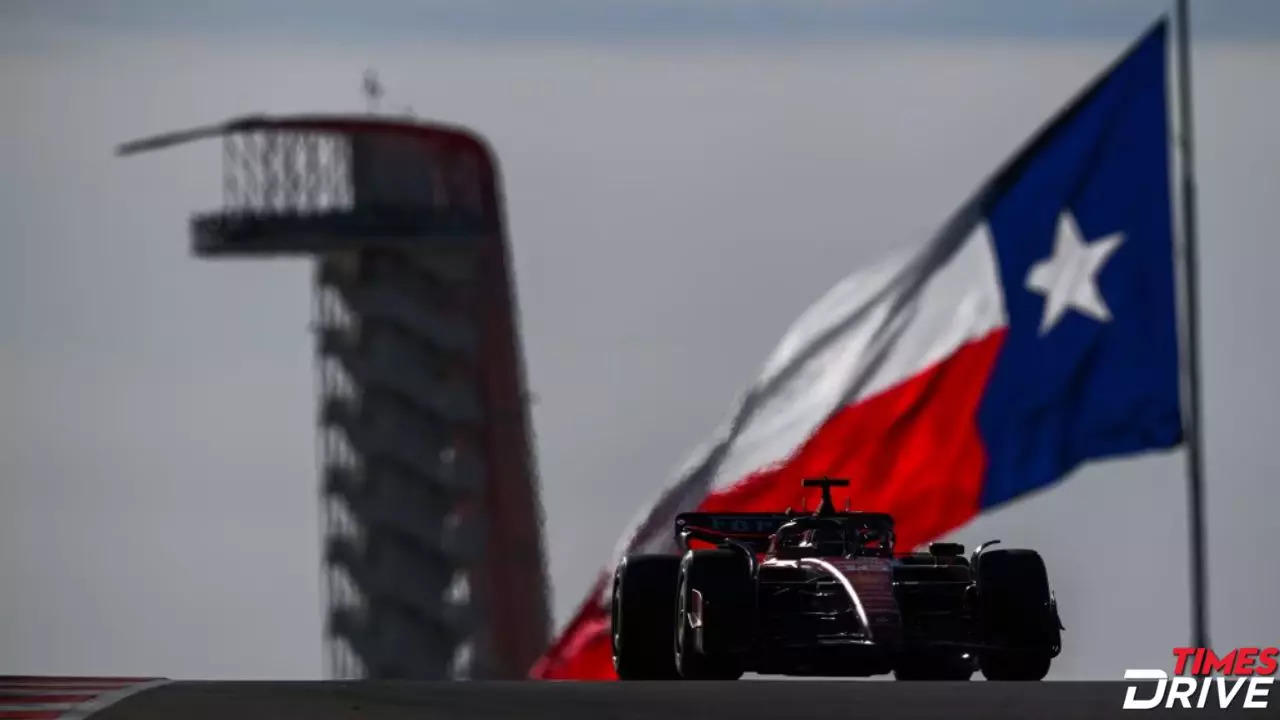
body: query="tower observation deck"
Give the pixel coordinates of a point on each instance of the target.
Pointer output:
(433, 546)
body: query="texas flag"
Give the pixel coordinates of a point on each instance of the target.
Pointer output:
(1037, 331)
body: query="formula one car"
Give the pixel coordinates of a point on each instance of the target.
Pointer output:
(825, 595)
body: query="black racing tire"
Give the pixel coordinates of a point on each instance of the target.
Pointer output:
(723, 579)
(952, 668)
(1016, 615)
(642, 617)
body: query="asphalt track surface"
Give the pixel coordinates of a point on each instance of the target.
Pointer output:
(745, 700)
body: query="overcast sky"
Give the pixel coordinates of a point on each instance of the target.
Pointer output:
(683, 179)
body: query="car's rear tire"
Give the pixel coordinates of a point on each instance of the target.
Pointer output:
(723, 580)
(642, 618)
(1017, 616)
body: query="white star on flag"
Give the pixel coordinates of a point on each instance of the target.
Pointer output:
(1068, 279)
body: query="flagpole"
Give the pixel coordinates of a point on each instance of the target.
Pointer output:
(1195, 437)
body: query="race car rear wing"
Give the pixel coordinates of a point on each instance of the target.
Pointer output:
(748, 529)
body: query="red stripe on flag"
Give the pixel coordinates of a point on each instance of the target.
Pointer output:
(584, 650)
(913, 451)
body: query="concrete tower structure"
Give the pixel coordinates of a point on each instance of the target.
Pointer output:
(433, 544)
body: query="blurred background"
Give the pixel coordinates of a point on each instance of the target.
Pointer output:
(682, 180)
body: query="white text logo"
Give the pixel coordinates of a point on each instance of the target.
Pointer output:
(1202, 678)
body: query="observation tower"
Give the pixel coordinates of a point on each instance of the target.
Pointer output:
(433, 544)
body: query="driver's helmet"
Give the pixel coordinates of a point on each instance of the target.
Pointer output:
(787, 542)
(875, 540)
(825, 541)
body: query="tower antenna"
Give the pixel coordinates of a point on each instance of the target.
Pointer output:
(373, 90)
